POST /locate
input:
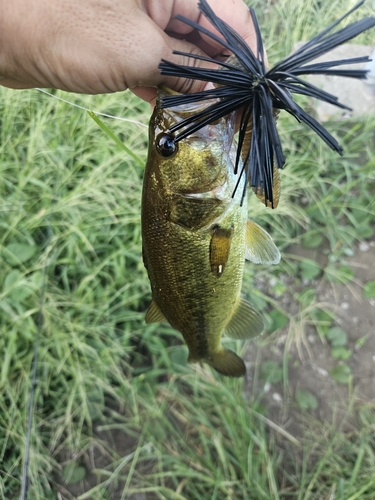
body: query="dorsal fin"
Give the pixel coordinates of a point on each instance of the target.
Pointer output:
(260, 247)
(245, 323)
(276, 188)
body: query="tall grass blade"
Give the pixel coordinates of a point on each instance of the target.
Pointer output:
(114, 137)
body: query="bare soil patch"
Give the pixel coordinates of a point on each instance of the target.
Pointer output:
(309, 356)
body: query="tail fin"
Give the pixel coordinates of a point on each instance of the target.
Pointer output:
(227, 363)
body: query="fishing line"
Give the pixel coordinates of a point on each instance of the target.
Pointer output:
(25, 471)
(90, 111)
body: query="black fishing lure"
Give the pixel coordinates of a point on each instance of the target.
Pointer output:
(248, 85)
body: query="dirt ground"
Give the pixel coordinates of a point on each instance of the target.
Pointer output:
(309, 356)
(309, 364)
(310, 360)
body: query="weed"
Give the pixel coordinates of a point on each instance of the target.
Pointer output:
(71, 204)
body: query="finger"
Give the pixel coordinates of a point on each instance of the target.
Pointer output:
(147, 94)
(152, 45)
(234, 12)
(161, 46)
(14, 84)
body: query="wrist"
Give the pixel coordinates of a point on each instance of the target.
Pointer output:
(16, 29)
(28, 43)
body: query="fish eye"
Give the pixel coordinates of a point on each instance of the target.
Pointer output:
(166, 145)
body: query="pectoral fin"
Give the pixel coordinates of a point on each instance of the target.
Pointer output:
(154, 314)
(260, 247)
(245, 323)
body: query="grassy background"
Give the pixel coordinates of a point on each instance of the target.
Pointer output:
(116, 405)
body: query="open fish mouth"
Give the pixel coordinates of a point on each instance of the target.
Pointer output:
(182, 113)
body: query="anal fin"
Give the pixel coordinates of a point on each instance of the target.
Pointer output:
(246, 322)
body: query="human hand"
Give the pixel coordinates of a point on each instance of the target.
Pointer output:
(99, 46)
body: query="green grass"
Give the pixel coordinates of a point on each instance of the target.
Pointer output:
(70, 217)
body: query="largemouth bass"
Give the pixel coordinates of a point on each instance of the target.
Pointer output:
(196, 237)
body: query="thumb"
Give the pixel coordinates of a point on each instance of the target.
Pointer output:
(178, 84)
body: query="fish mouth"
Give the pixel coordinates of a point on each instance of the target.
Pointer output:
(176, 114)
(185, 109)
(217, 193)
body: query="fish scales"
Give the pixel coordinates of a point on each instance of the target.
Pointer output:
(194, 237)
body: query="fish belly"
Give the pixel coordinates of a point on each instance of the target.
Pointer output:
(195, 300)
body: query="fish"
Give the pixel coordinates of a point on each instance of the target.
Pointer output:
(196, 236)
